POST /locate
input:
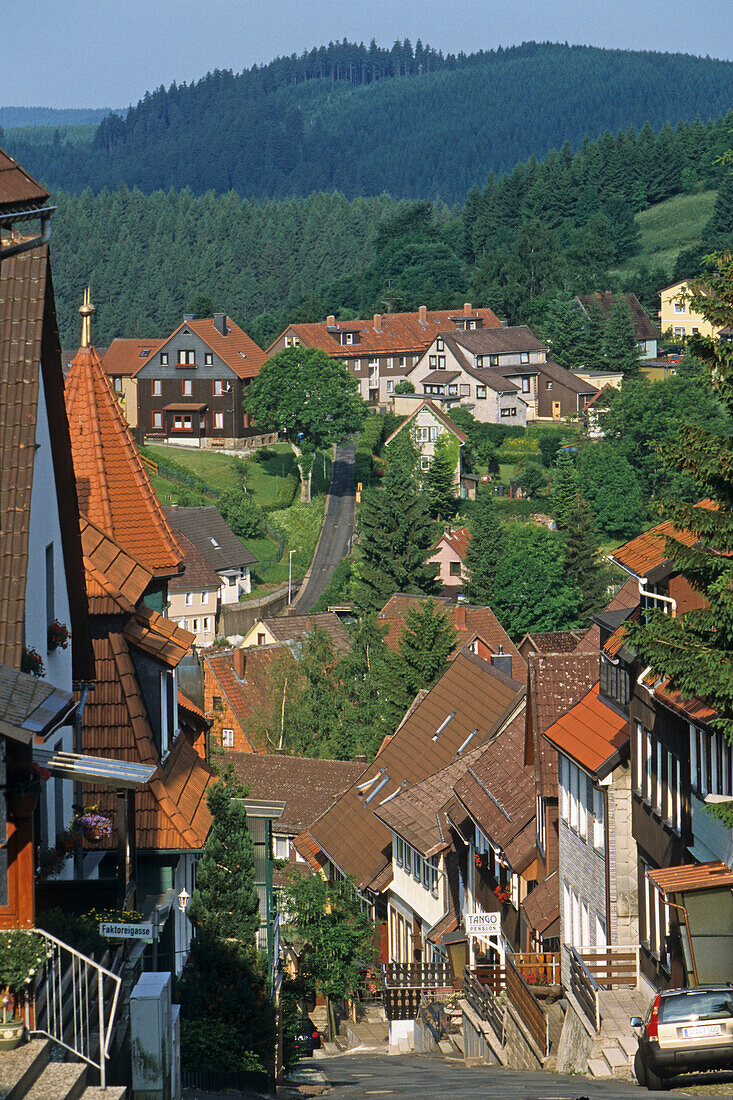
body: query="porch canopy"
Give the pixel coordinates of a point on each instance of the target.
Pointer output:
(31, 707)
(704, 891)
(122, 774)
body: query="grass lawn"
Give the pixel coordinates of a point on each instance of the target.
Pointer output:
(670, 227)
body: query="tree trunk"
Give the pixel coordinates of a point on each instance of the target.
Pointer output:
(301, 462)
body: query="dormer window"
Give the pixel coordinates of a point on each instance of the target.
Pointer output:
(614, 683)
(440, 343)
(186, 357)
(479, 360)
(348, 338)
(493, 360)
(524, 357)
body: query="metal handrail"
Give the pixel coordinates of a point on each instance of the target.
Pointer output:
(64, 997)
(585, 988)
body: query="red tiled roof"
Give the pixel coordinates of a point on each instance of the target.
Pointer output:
(590, 733)
(437, 412)
(458, 539)
(398, 333)
(236, 349)
(310, 851)
(648, 552)
(184, 703)
(18, 189)
(695, 710)
(626, 597)
(158, 636)
(113, 485)
(124, 357)
(468, 622)
(691, 877)
(248, 696)
(556, 682)
(115, 580)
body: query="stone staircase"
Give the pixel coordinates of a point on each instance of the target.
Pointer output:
(28, 1073)
(612, 1052)
(370, 1031)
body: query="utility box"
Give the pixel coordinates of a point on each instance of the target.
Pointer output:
(151, 1037)
(176, 1053)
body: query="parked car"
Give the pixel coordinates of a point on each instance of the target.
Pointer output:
(307, 1038)
(685, 1031)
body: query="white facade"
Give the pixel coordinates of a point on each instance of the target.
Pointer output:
(46, 600)
(417, 899)
(235, 583)
(459, 389)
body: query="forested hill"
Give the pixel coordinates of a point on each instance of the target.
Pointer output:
(365, 121)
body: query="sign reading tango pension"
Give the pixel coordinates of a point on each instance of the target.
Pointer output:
(483, 924)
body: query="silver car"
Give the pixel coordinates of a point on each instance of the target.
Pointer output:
(685, 1031)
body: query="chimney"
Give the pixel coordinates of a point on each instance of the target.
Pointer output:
(330, 321)
(422, 314)
(503, 322)
(238, 662)
(460, 620)
(220, 323)
(502, 661)
(377, 322)
(467, 308)
(188, 316)
(360, 759)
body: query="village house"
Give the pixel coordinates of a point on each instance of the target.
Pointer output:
(193, 596)
(678, 761)
(501, 376)
(678, 317)
(239, 691)
(426, 424)
(291, 628)
(380, 352)
(224, 552)
(190, 387)
(646, 334)
(551, 641)
(450, 554)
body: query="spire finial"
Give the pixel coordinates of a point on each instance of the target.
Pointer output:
(86, 309)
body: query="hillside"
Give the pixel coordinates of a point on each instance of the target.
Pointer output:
(669, 228)
(369, 121)
(11, 117)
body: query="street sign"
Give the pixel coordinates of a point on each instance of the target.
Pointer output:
(483, 924)
(140, 931)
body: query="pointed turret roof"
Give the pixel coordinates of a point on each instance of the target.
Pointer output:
(114, 489)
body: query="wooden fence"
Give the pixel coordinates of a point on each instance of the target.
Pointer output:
(481, 997)
(416, 975)
(402, 1003)
(529, 1009)
(538, 967)
(612, 967)
(585, 988)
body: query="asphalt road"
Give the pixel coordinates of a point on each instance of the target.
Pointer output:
(432, 1077)
(338, 528)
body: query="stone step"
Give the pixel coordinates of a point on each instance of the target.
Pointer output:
(616, 1057)
(59, 1081)
(112, 1092)
(19, 1069)
(598, 1067)
(629, 1045)
(446, 1046)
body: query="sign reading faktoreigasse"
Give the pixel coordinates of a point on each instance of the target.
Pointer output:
(140, 931)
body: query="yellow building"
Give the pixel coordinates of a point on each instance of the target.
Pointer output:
(677, 316)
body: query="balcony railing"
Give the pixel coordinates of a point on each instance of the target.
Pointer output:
(74, 1002)
(612, 967)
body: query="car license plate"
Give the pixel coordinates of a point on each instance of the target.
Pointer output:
(695, 1032)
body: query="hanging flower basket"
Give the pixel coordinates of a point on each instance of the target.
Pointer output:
(58, 635)
(94, 826)
(479, 859)
(32, 662)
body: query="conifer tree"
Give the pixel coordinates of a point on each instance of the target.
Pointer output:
(425, 644)
(565, 488)
(564, 329)
(619, 339)
(225, 903)
(584, 566)
(395, 542)
(594, 353)
(485, 548)
(695, 650)
(721, 219)
(440, 480)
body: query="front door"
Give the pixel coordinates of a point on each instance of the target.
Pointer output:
(555, 410)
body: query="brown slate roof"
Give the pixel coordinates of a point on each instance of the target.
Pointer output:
(113, 485)
(555, 683)
(237, 350)
(439, 415)
(207, 529)
(479, 698)
(198, 573)
(498, 792)
(553, 641)
(507, 340)
(399, 333)
(288, 628)
(566, 378)
(30, 707)
(468, 622)
(307, 785)
(18, 190)
(417, 813)
(606, 301)
(488, 376)
(542, 906)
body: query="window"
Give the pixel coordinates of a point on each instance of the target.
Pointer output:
(183, 423)
(390, 362)
(424, 462)
(638, 756)
(479, 360)
(441, 362)
(390, 385)
(574, 795)
(164, 358)
(157, 420)
(481, 391)
(506, 412)
(454, 568)
(281, 847)
(584, 924)
(195, 626)
(207, 623)
(118, 384)
(679, 307)
(208, 359)
(219, 420)
(564, 788)
(575, 906)
(417, 862)
(524, 357)
(599, 820)
(679, 330)
(566, 914)
(673, 809)
(453, 390)
(408, 859)
(548, 385)
(582, 805)
(399, 850)
(614, 683)
(227, 739)
(465, 390)
(401, 362)
(188, 599)
(440, 343)
(156, 387)
(711, 763)
(526, 383)
(433, 361)
(493, 360)
(186, 357)
(658, 780)
(434, 876)
(348, 338)
(656, 918)
(216, 702)
(218, 387)
(695, 330)
(600, 932)
(187, 387)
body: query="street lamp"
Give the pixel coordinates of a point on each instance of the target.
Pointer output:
(290, 574)
(183, 899)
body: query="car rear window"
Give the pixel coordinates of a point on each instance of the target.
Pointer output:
(710, 1004)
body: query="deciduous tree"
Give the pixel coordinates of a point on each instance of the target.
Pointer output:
(531, 590)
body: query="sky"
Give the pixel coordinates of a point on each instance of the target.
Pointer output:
(108, 53)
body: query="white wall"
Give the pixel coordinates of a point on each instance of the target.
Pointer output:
(413, 894)
(45, 530)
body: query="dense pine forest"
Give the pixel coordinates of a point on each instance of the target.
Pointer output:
(547, 229)
(364, 120)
